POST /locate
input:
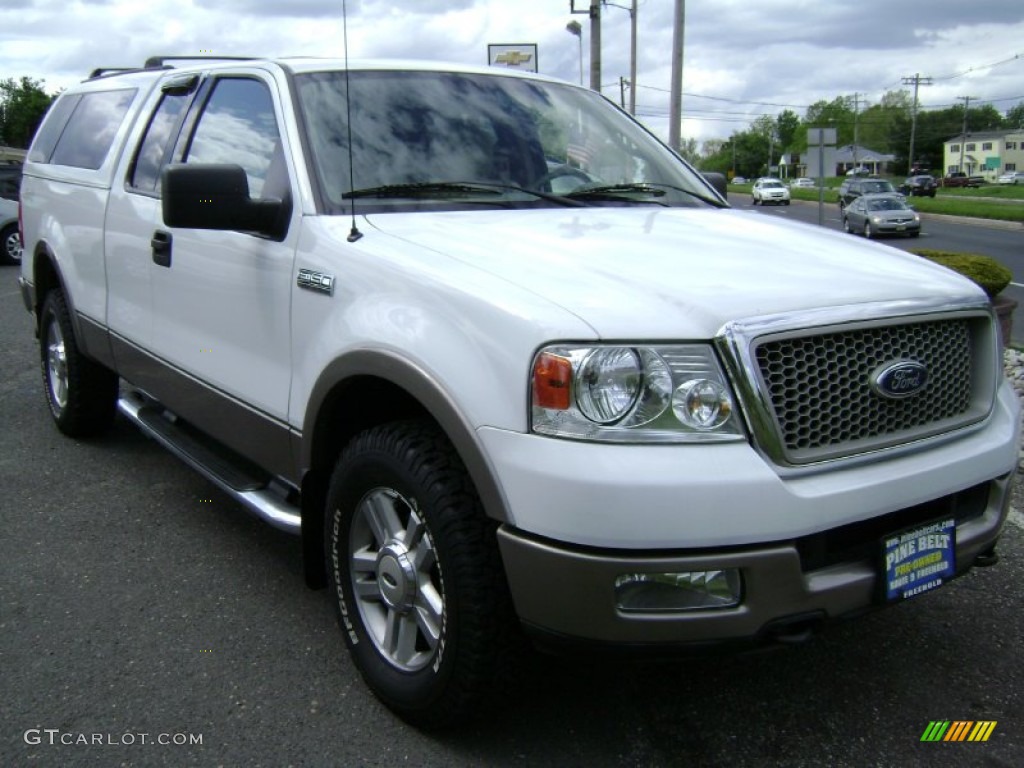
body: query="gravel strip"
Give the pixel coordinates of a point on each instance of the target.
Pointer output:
(1013, 366)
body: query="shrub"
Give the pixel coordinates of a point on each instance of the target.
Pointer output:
(983, 270)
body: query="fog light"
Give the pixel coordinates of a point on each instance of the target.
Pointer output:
(688, 591)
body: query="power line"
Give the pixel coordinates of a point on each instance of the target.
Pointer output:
(983, 66)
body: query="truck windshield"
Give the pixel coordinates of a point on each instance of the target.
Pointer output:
(447, 139)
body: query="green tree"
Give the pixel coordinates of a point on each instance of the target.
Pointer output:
(837, 114)
(787, 129)
(1015, 117)
(689, 150)
(875, 124)
(22, 106)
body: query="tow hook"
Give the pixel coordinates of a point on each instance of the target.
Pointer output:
(987, 558)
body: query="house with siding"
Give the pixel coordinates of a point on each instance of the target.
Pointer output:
(984, 153)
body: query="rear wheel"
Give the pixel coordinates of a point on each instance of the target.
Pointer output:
(81, 393)
(416, 576)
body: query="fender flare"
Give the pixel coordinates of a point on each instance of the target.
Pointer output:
(428, 392)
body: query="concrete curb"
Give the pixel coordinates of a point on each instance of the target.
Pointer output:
(1009, 226)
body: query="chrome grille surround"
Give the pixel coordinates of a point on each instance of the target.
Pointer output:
(803, 379)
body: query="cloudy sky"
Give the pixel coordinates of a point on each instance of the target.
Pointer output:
(742, 58)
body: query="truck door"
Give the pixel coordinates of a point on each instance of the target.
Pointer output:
(222, 299)
(133, 214)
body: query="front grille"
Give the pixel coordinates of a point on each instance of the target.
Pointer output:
(818, 387)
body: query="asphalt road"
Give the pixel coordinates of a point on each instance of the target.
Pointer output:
(137, 599)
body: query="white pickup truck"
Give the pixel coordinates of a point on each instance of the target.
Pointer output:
(506, 362)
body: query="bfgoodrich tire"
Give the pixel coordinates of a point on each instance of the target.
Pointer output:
(81, 393)
(416, 577)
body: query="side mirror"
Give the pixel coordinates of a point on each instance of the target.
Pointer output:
(209, 196)
(718, 181)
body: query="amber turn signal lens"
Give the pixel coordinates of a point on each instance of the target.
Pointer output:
(552, 382)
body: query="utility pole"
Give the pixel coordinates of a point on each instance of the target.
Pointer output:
(917, 81)
(963, 132)
(675, 110)
(595, 45)
(632, 59)
(622, 92)
(856, 139)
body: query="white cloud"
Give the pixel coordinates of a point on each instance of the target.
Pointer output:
(791, 52)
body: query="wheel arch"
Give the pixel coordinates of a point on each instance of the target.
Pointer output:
(362, 390)
(46, 276)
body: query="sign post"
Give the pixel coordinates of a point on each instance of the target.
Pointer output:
(820, 138)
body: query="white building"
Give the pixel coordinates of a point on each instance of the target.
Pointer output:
(984, 153)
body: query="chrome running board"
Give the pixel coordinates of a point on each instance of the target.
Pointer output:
(258, 492)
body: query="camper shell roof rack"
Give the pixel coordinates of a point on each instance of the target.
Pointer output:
(160, 62)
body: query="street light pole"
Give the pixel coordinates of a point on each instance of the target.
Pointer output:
(575, 28)
(632, 53)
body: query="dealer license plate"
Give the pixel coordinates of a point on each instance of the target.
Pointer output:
(919, 560)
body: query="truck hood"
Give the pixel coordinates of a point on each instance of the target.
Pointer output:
(657, 273)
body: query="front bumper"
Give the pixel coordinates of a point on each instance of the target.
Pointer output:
(583, 514)
(568, 592)
(888, 228)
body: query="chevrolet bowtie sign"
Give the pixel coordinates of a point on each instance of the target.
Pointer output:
(517, 56)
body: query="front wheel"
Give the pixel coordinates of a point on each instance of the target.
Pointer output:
(81, 393)
(416, 576)
(867, 231)
(846, 226)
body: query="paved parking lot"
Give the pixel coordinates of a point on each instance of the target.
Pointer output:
(137, 599)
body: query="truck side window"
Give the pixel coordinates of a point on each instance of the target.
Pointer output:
(238, 126)
(91, 128)
(159, 135)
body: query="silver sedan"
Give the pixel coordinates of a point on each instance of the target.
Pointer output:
(881, 215)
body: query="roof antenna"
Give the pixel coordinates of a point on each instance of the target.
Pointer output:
(354, 234)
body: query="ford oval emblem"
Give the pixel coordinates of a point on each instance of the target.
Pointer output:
(900, 379)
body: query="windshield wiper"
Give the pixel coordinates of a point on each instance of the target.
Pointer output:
(450, 189)
(628, 192)
(423, 189)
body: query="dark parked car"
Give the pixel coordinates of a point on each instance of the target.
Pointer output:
(10, 180)
(851, 189)
(881, 215)
(919, 186)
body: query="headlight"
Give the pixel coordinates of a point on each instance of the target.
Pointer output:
(674, 393)
(876, 219)
(609, 384)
